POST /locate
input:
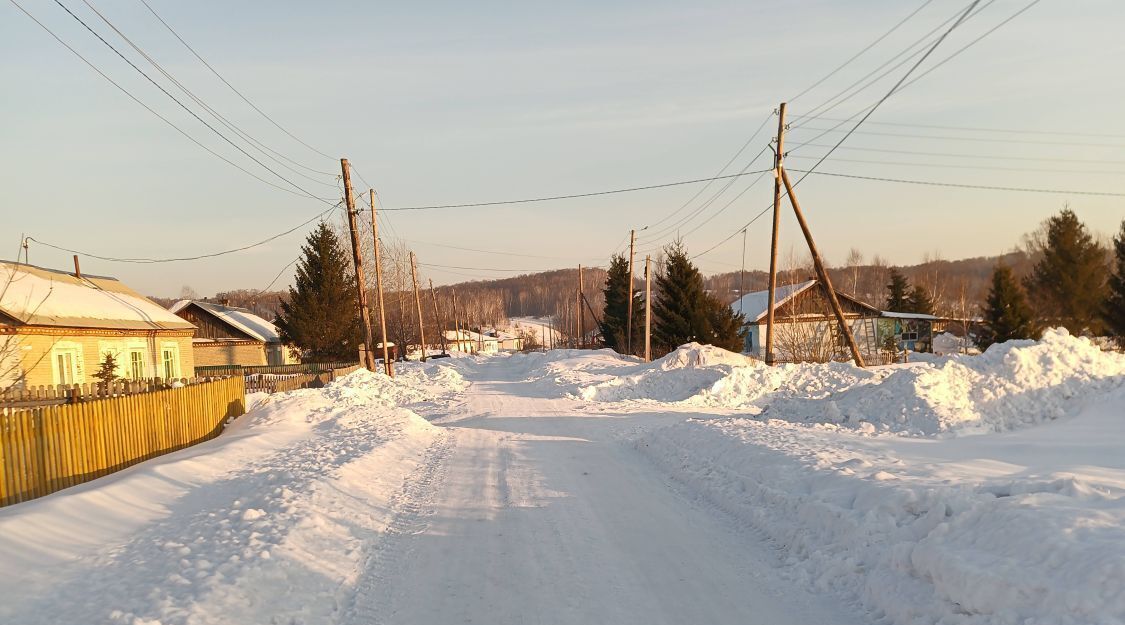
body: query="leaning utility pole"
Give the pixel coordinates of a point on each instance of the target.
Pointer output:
(629, 310)
(418, 304)
(822, 274)
(388, 364)
(648, 308)
(772, 300)
(368, 357)
(438, 317)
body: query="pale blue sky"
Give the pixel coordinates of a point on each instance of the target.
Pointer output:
(461, 102)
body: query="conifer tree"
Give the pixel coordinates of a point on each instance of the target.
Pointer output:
(618, 287)
(321, 317)
(1114, 310)
(897, 293)
(683, 311)
(1069, 281)
(919, 301)
(1007, 315)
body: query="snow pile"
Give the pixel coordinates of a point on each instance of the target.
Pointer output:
(689, 370)
(268, 523)
(1023, 527)
(1012, 384)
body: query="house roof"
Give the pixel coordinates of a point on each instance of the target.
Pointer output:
(46, 297)
(238, 318)
(468, 335)
(754, 304)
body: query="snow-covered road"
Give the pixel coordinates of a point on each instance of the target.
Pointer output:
(544, 514)
(335, 506)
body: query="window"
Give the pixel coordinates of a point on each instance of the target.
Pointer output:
(170, 361)
(136, 364)
(66, 362)
(910, 336)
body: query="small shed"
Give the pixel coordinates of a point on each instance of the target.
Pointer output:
(229, 335)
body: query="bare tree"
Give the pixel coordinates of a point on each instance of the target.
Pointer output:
(854, 262)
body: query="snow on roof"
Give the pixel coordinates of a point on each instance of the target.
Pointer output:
(467, 335)
(906, 315)
(46, 297)
(754, 304)
(238, 318)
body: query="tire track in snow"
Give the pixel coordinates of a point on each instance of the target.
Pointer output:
(411, 508)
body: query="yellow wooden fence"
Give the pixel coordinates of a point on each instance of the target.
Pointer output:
(46, 449)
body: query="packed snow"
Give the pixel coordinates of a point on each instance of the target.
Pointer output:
(584, 486)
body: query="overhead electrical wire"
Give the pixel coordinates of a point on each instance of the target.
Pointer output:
(148, 108)
(250, 140)
(976, 167)
(182, 105)
(877, 133)
(232, 87)
(978, 128)
(962, 185)
(966, 155)
(147, 261)
(569, 197)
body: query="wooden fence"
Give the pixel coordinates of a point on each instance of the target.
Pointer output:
(50, 395)
(49, 448)
(308, 367)
(279, 383)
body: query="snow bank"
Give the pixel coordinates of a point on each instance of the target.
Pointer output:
(1011, 385)
(1024, 527)
(287, 499)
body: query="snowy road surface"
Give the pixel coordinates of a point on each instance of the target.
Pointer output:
(333, 506)
(544, 515)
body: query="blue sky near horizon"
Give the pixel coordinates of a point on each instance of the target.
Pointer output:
(458, 102)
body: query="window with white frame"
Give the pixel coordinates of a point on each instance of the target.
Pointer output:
(66, 363)
(136, 364)
(170, 360)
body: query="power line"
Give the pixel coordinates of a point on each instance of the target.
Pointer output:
(571, 196)
(963, 155)
(181, 104)
(250, 140)
(962, 185)
(955, 166)
(497, 252)
(861, 52)
(150, 109)
(278, 276)
(976, 128)
(506, 270)
(910, 71)
(975, 139)
(145, 261)
(232, 88)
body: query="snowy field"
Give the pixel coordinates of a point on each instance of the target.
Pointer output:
(584, 487)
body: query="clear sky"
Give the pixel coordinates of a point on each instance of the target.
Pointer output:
(453, 102)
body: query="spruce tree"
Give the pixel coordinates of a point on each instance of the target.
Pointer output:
(618, 287)
(897, 293)
(919, 301)
(683, 311)
(1069, 281)
(1007, 315)
(321, 317)
(1114, 310)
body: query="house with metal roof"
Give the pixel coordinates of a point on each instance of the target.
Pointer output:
(57, 327)
(229, 335)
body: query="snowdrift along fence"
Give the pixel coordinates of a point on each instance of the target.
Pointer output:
(46, 449)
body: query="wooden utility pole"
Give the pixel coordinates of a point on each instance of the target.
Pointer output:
(457, 319)
(388, 364)
(438, 317)
(648, 308)
(629, 309)
(821, 273)
(418, 304)
(357, 258)
(580, 315)
(772, 299)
